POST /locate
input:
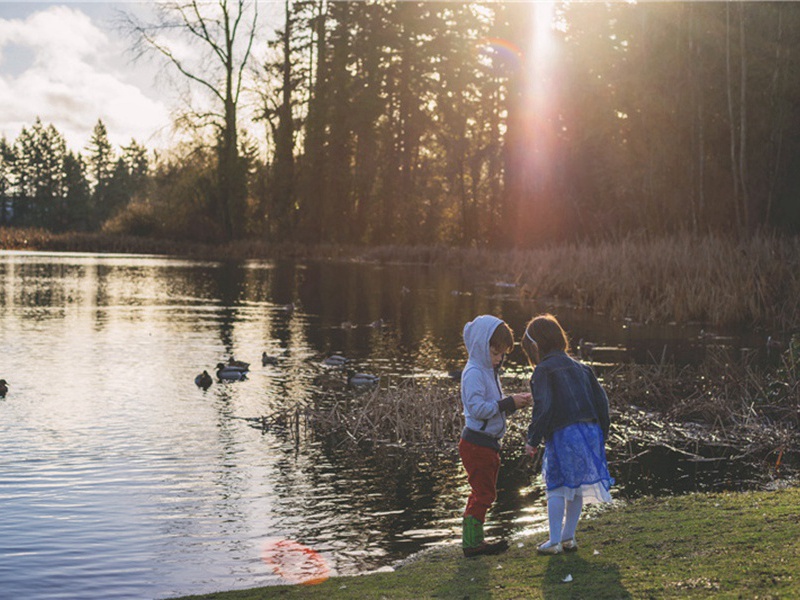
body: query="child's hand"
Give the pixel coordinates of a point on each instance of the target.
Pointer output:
(530, 450)
(522, 400)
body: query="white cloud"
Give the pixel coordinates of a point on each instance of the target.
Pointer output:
(61, 66)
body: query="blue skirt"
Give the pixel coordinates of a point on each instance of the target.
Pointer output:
(574, 464)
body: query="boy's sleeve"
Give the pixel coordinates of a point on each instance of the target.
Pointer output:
(542, 402)
(507, 405)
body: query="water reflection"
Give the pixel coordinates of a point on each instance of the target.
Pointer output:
(121, 478)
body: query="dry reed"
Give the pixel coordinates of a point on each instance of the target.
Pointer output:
(729, 406)
(711, 279)
(723, 409)
(420, 415)
(414, 414)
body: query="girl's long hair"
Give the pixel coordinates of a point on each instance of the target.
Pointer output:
(549, 337)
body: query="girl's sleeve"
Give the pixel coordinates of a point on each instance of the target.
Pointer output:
(600, 400)
(474, 396)
(542, 402)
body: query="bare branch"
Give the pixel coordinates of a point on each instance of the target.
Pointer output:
(251, 37)
(166, 52)
(203, 33)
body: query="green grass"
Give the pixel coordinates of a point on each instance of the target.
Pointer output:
(732, 545)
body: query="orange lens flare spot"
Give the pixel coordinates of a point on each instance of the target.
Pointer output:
(294, 562)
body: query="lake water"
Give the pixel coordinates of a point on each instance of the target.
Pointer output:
(120, 478)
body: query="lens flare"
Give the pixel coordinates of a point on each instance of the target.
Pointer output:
(294, 562)
(501, 52)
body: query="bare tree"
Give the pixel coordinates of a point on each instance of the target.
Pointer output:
(224, 30)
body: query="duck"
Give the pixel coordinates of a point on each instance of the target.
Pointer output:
(347, 325)
(203, 380)
(229, 373)
(3, 388)
(362, 380)
(377, 324)
(266, 359)
(335, 360)
(238, 364)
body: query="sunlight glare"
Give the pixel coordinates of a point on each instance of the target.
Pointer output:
(542, 92)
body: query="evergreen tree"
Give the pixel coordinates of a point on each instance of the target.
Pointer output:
(77, 194)
(312, 184)
(39, 169)
(137, 166)
(283, 76)
(101, 162)
(6, 181)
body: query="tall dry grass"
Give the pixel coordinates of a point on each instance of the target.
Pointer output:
(42, 240)
(711, 279)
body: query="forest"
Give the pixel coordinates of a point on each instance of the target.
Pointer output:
(466, 124)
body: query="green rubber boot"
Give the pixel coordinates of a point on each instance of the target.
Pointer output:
(472, 542)
(471, 532)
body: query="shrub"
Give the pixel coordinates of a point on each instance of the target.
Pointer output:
(137, 218)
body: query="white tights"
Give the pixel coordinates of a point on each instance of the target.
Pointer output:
(562, 526)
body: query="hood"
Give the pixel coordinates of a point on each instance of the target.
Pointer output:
(477, 334)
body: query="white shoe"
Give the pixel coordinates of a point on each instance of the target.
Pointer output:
(548, 548)
(569, 545)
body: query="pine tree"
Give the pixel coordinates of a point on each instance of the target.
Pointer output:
(101, 162)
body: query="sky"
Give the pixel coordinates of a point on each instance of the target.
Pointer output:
(69, 64)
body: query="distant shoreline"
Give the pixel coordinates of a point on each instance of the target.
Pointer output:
(712, 280)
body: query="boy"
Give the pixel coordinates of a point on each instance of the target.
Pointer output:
(487, 339)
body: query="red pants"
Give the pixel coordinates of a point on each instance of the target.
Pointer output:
(482, 465)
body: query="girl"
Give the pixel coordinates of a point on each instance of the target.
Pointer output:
(570, 412)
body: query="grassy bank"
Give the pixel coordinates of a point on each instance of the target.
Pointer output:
(744, 545)
(708, 279)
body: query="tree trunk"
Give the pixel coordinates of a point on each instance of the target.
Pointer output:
(283, 167)
(731, 119)
(747, 212)
(776, 133)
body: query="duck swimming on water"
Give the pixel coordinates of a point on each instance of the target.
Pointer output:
(335, 360)
(362, 380)
(3, 388)
(230, 373)
(238, 364)
(203, 380)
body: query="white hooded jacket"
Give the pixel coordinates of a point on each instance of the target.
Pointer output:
(485, 408)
